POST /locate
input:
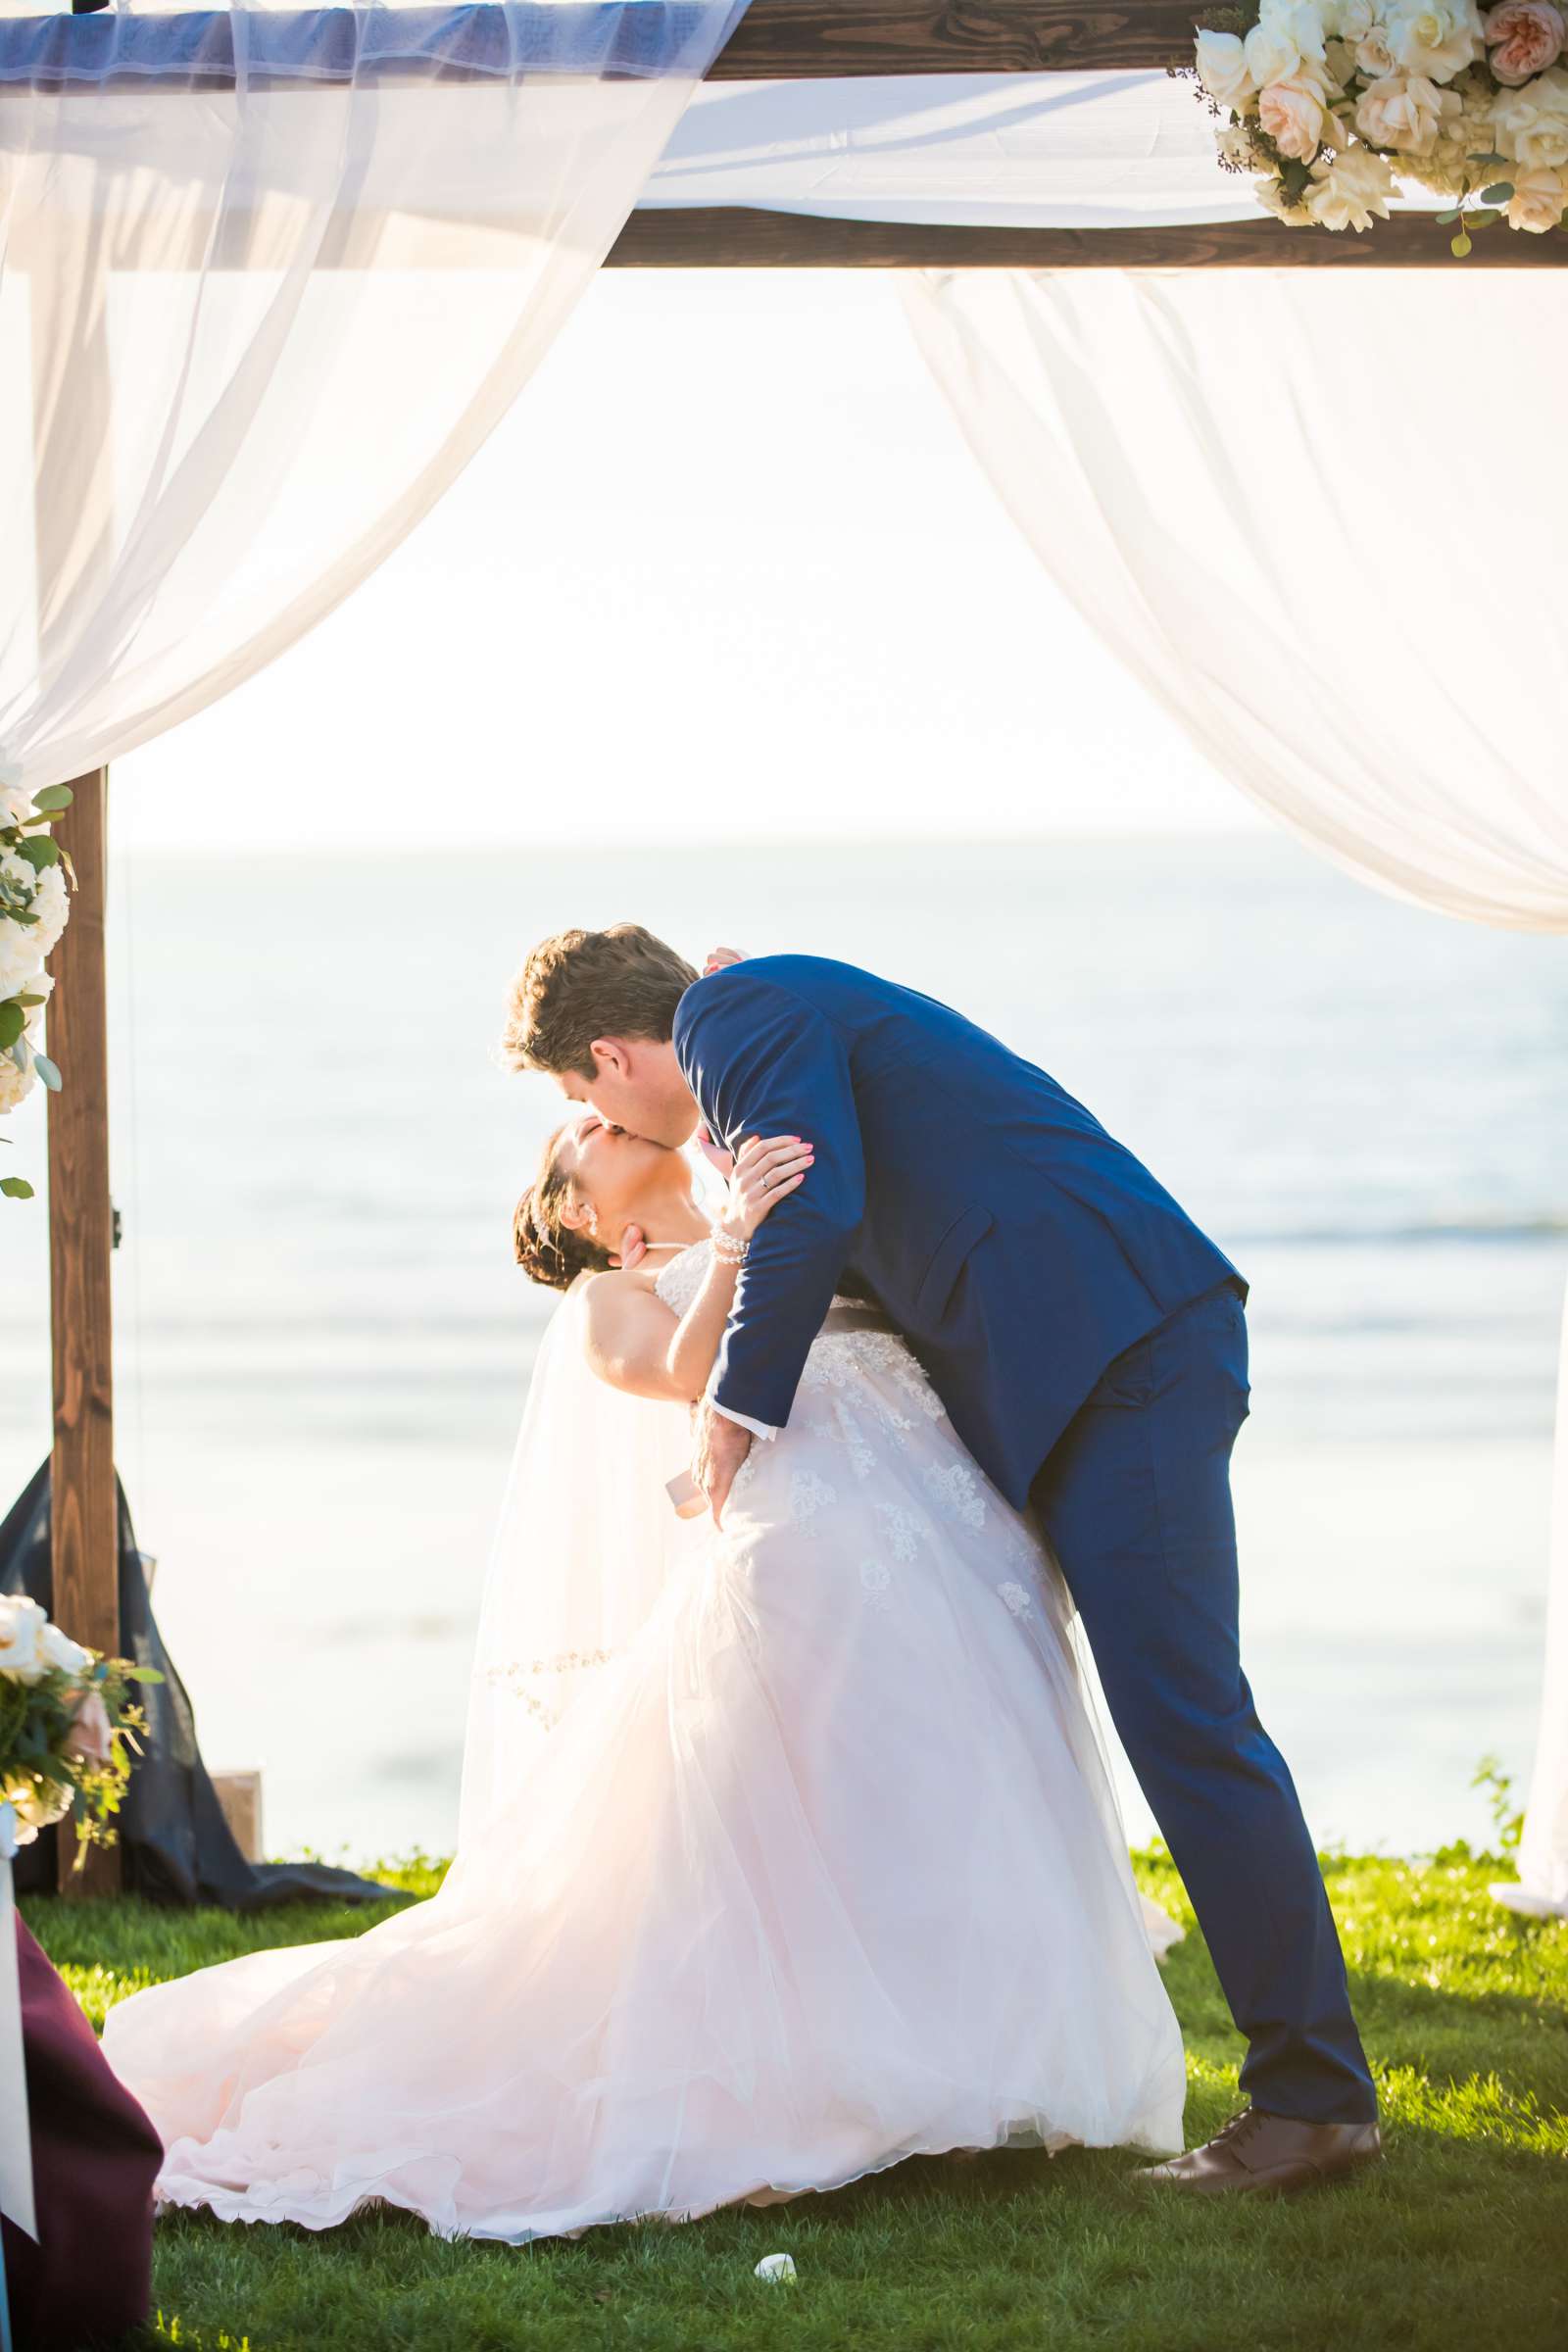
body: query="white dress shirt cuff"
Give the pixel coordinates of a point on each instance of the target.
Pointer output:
(759, 1429)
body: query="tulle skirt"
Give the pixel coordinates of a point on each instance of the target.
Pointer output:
(822, 1872)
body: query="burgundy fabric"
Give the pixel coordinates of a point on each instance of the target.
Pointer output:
(95, 2157)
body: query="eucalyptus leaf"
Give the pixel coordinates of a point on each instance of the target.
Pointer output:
(1459, 246)
(53, 798)
(13, 1021)
(16, 1188)
(47, 1072)
(39, 851)
(28, 1003)
(1491, 157)
(1481, 219)
(21, 1053)
(1447, 220)
(1498, 193)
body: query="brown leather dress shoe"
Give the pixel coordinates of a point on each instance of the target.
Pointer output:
(1271, 2156)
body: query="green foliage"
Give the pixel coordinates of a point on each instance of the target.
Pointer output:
(1456, 2241)
(42, 1769)
(1507, 1818)
(25, 838)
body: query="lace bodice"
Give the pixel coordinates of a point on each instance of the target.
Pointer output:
(682, 1276)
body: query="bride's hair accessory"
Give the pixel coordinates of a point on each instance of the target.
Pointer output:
(548, 1250)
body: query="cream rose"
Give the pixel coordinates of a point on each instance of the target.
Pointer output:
(1350, 190)
(1291, 113)
(36, 1809)
(1373, 56)
(1523, 38)
(1237, 149)
(1303, 21)
(1435, 37)
(1222, 70)
(15, 1085)
(1271, 55)
(1352, 20)
(58, 1650)
(51, 906)
(1403, 111)
(1272, 197)
(1532, 125)
(24, 946)
(1538, 201)
(23, 1624)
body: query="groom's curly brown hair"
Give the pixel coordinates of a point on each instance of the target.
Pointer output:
(580, 985)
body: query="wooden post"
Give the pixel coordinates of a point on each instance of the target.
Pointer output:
(85, 1513)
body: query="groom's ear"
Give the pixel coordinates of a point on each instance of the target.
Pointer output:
(609, 1057)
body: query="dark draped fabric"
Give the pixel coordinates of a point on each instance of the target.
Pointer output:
(175, 1844)
(88, 2279)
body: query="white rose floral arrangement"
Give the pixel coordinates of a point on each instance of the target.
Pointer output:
(1332, 103)
(33, 908)
(68, 1726)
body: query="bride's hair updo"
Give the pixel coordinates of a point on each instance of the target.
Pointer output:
(548, 1250)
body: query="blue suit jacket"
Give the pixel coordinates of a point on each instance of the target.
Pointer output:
(1018, 1246)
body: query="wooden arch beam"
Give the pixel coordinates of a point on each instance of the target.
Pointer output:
(724, 238)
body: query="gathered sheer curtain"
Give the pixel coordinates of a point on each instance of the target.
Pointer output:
(268, 279)
(1333, 562)
(1318, 549)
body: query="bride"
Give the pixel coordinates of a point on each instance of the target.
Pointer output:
(787, 1847)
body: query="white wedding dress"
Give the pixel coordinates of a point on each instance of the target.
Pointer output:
(821, 1871)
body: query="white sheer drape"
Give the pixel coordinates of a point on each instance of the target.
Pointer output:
(1318, 517)
(266, 280)
(1013, 150)
(1543, 1883)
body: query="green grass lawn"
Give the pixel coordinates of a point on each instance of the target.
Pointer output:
(1459, 2240)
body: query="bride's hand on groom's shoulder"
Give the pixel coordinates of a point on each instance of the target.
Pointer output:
(764, 1172)
(720, 959)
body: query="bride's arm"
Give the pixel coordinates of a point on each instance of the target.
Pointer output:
(638, 1343)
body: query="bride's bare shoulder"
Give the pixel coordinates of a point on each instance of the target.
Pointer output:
(611, 1296)
(627, 1329)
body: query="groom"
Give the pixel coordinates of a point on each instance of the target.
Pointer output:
(1090, 1345)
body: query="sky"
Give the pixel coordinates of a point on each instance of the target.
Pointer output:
(726, 571)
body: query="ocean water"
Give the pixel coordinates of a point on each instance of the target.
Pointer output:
(324, 1346)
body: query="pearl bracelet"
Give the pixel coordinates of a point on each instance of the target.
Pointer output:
(728, 1251)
